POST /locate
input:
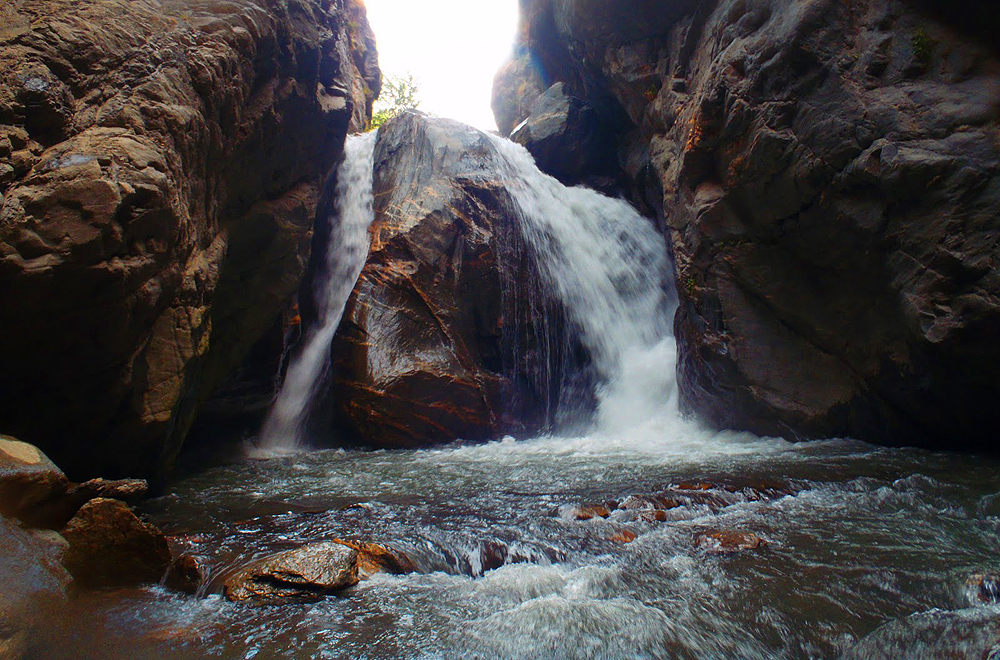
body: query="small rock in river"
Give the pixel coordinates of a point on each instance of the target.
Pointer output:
(187, 573)
(591, 511)
(728, 541)
(303, 575)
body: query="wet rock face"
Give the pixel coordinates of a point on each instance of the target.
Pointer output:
(160, 164)
(110, 547)
(303, 575)
(515, 87)
(441, 338)
(564, 135)
(829, 175)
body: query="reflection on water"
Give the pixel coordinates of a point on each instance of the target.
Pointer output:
(859, 537)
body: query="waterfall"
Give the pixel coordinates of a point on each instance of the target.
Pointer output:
(346, 252)
(609, 267)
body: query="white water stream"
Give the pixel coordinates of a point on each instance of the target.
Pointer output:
(346, 253)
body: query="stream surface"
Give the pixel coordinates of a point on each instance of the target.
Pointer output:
(858, 537)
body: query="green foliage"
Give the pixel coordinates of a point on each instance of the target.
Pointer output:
(923, 46)
(399, 94)
(691, 287)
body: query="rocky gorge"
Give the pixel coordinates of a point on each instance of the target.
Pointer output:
(617, 386)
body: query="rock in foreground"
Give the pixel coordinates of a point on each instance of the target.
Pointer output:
(110, 547)
(302, 575)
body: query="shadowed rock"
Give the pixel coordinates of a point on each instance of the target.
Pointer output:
(28, 479)
(110, 547)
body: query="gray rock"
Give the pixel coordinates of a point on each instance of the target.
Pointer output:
(564, 135)
(302, 575)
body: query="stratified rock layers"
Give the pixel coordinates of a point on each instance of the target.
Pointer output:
(830, 183)
(444, 335)
(160, 164)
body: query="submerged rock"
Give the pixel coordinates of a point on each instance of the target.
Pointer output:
(187, 573)
(110, 547)
(984, 588)
(444, 336)
(28, 479)
(728, 541)
(161, 164)
(306, 574)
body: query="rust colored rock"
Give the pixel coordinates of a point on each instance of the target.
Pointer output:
(724, 542)
(28, 479)
(160, 164)
(654, 515)
(647, 502)
(591, 511)
(443, 336)
(110, 547)
(303, 575)
(624, 536)
(374, 558)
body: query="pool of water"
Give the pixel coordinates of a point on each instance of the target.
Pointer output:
(859, 539)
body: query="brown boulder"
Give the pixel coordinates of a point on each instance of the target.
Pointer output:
(303, 575)
(591, 511)
(110, 547)
(161, 164)
(187, 573)
(443, 335)
(374, 558)
(28, 479)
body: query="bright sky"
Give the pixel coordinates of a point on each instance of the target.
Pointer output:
(452, 48)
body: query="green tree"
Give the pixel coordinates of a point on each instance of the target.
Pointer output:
(399, 93)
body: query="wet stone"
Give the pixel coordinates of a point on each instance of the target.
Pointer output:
(984, 587)
(722, 542)
(303, 575)
(187, 574)
(374, 558)
(624, 536)
(27, 478)
(591, 511)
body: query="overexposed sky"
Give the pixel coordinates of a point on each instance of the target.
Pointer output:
(452, 48)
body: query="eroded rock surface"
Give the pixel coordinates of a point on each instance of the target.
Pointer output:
(28, 478)
(442, 337)
(828, 176)
(160, 164)
(305, 574)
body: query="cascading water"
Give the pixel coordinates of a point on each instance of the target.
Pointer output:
(345, 257)
(609, 266)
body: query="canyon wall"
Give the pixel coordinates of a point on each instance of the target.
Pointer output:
(827, 175)
(160, 164)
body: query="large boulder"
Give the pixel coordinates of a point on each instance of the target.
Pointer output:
(443, 335)
(160, 164)
(28, 479)
(303, 575)
(110, 547)
(829, 176)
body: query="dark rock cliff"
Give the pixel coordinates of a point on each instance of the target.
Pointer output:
(160, 164)
(828, 177)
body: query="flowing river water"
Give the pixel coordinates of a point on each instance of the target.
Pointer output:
(856, 539)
